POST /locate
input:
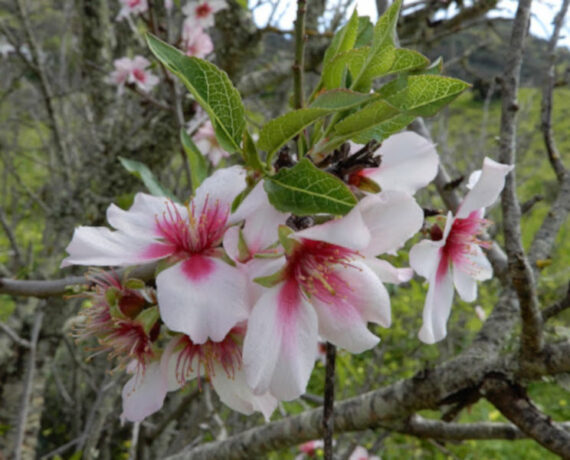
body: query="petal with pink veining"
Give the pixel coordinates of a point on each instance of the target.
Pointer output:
(359, 297)
(476, 264)
(101, 246)
(141, 216)
(487, 188)
(280, 343)
(202, 297)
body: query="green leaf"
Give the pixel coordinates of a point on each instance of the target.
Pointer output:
(141, 171)
(278, 131)
(371, 115)
(343, 40)
(384, 130)
(250, 154)
(212, 89)
(198, 164)
(422, 95)
(381, 53)
(435, 68)
(385, 28)
(388, 61)
(304, 190)
(406, 60)
(365, 32)
(340, 99)
(353, 60)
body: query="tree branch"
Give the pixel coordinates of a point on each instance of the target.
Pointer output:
(547, 90)
(28, 384)
(557, 307)
(53, 288)
(513, 402)
(299, 64)
(520, 271)
(436, 429)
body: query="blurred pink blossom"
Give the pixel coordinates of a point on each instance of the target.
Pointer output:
(206, 141)
(132, 7)
(133, 71)
(195, 41)
(202, 12)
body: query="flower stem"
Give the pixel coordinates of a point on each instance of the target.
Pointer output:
(328, 408)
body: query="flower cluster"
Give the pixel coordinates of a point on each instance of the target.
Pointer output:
(195, 41)
(242, 298)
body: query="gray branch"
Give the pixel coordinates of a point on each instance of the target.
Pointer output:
(520, 271)
(54, 288)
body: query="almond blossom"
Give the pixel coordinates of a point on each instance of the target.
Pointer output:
(195, 42)
(183, 360)
(408, 162)
(360, 453)
(206, 141)
(134, 72)
(202, 12)
(455, 257)
(198, 292)
(132, 7)
(329, 285)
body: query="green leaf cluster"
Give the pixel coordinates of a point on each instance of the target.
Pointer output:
(342, 107)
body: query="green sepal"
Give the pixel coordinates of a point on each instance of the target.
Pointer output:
(368, 185)
(134, 283)
(111, 295)
(148, 318)
(243, 249)
(288, 244)
(271, 280)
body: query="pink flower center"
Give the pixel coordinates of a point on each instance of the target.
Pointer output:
(314, 264)
(203, 10)
(195, 357)
(134, 3)
(139, 75)
(130, 341)
(194, 234)
(461, 238)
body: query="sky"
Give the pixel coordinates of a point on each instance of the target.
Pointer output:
(543, 12)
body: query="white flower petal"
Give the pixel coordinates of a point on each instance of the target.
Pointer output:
(437, 308)
(262, 220)
(465, 284)
(144, 393)
(101, 246)
(424, 257)
(141, 216)
(409, 162)
(221, 187)
(280, 343)
(387, 272)
(487, 189)
(236, 394)
(349, 231)
(392, 218)
(202, 297)
(476, 264)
